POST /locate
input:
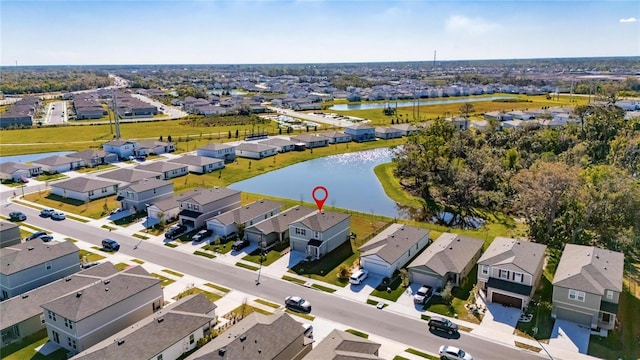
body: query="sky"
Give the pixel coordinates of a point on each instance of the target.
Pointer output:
(311, 31)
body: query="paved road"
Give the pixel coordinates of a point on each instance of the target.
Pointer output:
(312, 117)
(56, 113)
(412, 332)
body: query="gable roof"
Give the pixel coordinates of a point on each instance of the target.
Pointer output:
(360, 127)
(196, 160)
(83, 184)
(322, 221)
(56, 160)
(11, 167)
(119, 143)
(393, 242)
(256, 147)
(309, 138)
(207, 196)
(341, 345)
(95, 297)
(128, 175)
(216, 147)
(173, 201)
(90, 154)
(18, 257)
(280, 223)
(589, 269)
(449, 253)
(245, 213)
(147, 184)
(161, 166)
(275, 141)
(334, 134)
(526, 255)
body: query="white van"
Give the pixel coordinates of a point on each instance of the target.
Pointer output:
(358, 277)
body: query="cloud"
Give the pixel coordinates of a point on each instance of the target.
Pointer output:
(464, 25)
(629, 20)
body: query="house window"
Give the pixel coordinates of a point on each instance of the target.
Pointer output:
(42, 319)
(159, 357)
(504, 274)
(576, 295)
(47, 265)
(518, 277)
(56, 336)
(192, 339)
(485, 270)
(609, 294)
(52, 315)
(302, 232)
(71, 342)
(104, 190)
(90, 192)
(196, 208)
(68, 323)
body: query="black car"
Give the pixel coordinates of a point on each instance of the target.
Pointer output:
(240, 244)
(442, 324)
(297, 303)
(175, 231)
(46, 238)
(202, 234)
(110, 245)
(36, 235)
(17, 216)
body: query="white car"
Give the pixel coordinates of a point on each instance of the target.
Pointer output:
(58, 215)
(453, 353)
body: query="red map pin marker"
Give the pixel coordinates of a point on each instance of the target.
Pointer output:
(319, 202)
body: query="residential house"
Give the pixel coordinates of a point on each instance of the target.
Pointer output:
(31, 264)
(319, 233)
(168, 334)
(480, 125)
(207, 203)
(84, 188)
(383, 132)
(361, 132)
(79, 320)
(58, 164)
(167, 170)
(311, 141)
(587, 286)
(199, 164)
(521, 115)
(392, 248)
(458, 123)
(153, 147)
(336, 137)
(275, 229)
(449, 259)
(405, 129)
(126, 176)
(219, 151)
(255, 150)
(497, 115)
(123, 148)
(341, 345)
(226, 224)
(257, 336)
(168, 208)
(509, 271)
(18, 171)
(9, 234)
(137, 196)
(283, 145)
(95, 157)
(22, 316)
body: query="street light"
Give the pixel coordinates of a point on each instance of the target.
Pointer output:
(263, 244)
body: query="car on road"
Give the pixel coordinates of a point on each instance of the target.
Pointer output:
(423, 295)
(46, 238)
(175, 231)
(296, 303)
(442, 324)
(453, 353)
(202, 234)
(110, 245)
(46, 212)
(240, 244)
(35, 235)
(58, 215)
(17, 216)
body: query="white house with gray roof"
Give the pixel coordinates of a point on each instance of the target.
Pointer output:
(22, 315)
(392, 248)
(319, 233)
(31, 264)
(139, 195)
(225, 152)
(17, 171)
(341, 345)
(126, 176)
(153, 147)
(167, 209)
(448, 259)
(122, 148)
(199, 164)
(204, 204)
(9, 234)
(587, 286)
(95, 157)
(166, 335)
(275, 229)
(255, 150)
(385, 132)
(509, 271)
(336, 137)
(226, 224)
(81, 319)
(283, 145)
(311, 141)
(167, 170)
(84, 188)
(58, 164)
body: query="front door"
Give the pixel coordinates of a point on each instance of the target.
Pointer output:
(313, 251)
(606, 318)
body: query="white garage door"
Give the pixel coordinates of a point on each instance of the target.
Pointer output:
(253, 237)
(425, 279)
(374, 267)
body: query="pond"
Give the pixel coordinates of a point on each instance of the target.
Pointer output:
(367, 106)
(32, 157)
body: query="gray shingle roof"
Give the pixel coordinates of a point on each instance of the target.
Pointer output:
(589, 269)
(173, 201)
(278, 142)
(83, 184)
(196, 160)
(280, 223)
(147, 184)
(322, 221)
(94, 298)
(526, 255)
(216, 147)
(449, 253)
(89, 154)
(341, 345)
(119, 143)
(247, 212)
(207, 196)
(56, 160)
(256, 147)
(128, 175)
(161, 166)
(11, 167)
(393, 242)
(22, 256)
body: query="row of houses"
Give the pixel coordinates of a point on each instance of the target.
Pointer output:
(21, 113)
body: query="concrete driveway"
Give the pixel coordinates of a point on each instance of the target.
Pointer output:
(570, 336)
(361, 292)
(501, 318)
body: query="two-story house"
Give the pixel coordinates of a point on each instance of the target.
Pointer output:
(138, 195)
(320, 232)
(9, 234)
(31, 264)
(204, 204)
(81, 319)
(509, 271)
(220, 151)
(361, 132)
(123, 148)
(167, 170)
(275, 229)
(587, 286)
(226, 224)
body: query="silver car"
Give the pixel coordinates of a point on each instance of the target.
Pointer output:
(453, 353)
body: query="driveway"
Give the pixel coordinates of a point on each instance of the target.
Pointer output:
(570, 336)
(501, 318)
(361, 292)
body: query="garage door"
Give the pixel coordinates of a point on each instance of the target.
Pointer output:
(254, 237)
(374, 267)
(578, 317)
(506, 300)
(425, 279)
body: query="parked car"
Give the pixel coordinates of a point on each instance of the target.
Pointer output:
(453, 353)
(423, 295)
(175, 231)
(202, 234)
(297, 303)
(110, 245)
(240, 244)
(46, 212)
(17, 216)
(35, 235)
(358, 277)
(58, 215)
(442, 324)
(46, 238)
(89, 264)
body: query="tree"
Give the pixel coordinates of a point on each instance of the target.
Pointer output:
(237, 133)
(169, 138)
(229, 136)
(161, 138)
(466, 109)
(447, 293)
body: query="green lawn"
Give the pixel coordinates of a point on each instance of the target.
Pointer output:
(89, 256)
(211, 296)
(164, 281)
(25, 349)
(326, 268)
(121, 266)
(267, 259)
(95, 209)
(396, 290)
(323, 288)
(357, 333)
(621, 343)
(247, 266)
(267, 303)
(221, 248)
(173, 272)
(217, 287)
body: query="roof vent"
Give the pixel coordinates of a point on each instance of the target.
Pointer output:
(78, 294)
(605, 268)
(458, 239)
(107, 281)
(106, 289)
(30, 248)
(68, 278)
(24, 296)
(120, 342)
(243, 337)
(450, 247)
(222, 351)
(597, 257)
(160, 319)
